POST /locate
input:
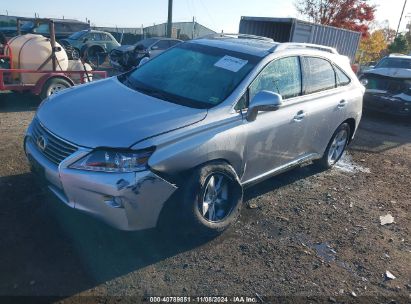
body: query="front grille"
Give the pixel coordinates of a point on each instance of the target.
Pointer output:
(55, 149)
(391, 85)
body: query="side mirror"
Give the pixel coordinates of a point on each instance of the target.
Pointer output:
(85, 40)
(263, 101)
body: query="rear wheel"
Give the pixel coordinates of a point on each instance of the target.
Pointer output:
(52, 86)
(212, 199)
(336, 147)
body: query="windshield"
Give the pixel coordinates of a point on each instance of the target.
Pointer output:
(147, 42)
(399, 63)
(77, 35)
(192, 75)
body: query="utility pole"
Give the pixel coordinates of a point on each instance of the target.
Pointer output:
(170, 18)
(402, 13)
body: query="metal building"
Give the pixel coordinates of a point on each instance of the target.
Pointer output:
(294, 30)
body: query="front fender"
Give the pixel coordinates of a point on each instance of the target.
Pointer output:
(183, 150)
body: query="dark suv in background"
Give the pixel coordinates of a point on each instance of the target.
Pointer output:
(388, 86)
(63, 28)
(127, 56)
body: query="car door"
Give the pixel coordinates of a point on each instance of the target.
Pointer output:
(326, 100)
(159, 47)
(99, 39)
(274, 138)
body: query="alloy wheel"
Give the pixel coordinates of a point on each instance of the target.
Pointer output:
(216, 204)
(337, 147)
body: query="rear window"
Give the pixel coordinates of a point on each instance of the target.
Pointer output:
(342, 78)
(319, 75)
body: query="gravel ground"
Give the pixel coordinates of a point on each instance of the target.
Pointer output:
(305, 235)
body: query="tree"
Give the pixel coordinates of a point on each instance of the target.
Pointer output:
(400, 45)
(372, 46)
(349, 14)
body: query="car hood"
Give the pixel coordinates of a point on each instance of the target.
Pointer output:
(109, 114)
(390, 72)
(125, 48)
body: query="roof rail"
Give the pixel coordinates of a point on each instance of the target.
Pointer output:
(238, 35)
(295, 45)
(396, 54)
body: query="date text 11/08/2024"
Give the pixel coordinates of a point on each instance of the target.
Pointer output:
(236, 299)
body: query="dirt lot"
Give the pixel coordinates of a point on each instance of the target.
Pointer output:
(310, 235)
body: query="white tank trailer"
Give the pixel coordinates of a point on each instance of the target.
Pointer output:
(33, 52)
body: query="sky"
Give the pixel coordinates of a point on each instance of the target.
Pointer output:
(216, 14)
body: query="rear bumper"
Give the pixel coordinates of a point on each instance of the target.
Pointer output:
(387, 103)
(126, 201)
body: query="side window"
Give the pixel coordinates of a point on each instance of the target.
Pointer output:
(242, 103)
(94, 37)
(282, 76)
(163, 44)
(319, 75)
(342, 78)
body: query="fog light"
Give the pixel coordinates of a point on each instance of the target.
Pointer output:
(113, 202)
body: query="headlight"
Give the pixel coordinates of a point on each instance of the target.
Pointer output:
(114, 161)
(364, 81)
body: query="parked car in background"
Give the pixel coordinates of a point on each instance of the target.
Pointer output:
(209, 116)
(128, 56)
(388, 86)
(90, 44)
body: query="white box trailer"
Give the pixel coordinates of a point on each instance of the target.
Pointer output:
(294, 30)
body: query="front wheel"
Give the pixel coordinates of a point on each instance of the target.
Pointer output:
(336, 147)
(212, 199)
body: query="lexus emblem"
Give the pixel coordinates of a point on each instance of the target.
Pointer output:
(42, 142)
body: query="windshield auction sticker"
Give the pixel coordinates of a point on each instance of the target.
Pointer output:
(231, 63)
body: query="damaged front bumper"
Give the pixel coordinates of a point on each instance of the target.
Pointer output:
(398, 104)
(126, 201)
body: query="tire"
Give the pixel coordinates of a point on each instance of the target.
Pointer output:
(53, 85)
(334, 152)
(75, 54)
(218, 216)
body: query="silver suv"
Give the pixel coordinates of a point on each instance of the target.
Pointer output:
(191, 128)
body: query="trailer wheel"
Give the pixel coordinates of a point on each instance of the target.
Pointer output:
(52, 86)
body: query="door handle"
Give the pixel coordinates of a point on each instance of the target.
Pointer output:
(342, 104)
(300, 116)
